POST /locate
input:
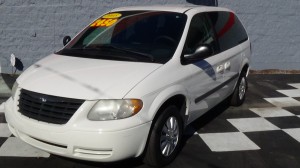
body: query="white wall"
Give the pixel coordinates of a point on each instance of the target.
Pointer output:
(32, 29)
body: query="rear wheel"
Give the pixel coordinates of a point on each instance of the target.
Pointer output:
(239, 94)
(165, 138)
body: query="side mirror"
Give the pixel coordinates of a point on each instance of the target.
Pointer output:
(16, 62)
(66, 40)
(201, 52)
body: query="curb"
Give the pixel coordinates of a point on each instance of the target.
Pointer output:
(2, 108)
(274, 71)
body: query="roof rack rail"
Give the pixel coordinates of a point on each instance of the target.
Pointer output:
(203, 2)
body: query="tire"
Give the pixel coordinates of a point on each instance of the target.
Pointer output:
(164, 145)
(239, 94)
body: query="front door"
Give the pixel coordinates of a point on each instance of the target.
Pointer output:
(207, 74)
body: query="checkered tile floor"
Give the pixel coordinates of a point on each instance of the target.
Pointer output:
(276, 118)
(264, 132)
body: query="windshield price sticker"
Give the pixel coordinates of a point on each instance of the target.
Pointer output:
(112, 16)
(103, 22)
(106, 20)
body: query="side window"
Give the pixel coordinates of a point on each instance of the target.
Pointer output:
(200, 32)
(229, 30)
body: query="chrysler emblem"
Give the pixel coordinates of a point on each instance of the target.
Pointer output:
(43, 100)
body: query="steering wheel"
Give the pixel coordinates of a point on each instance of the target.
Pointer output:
(165, 38)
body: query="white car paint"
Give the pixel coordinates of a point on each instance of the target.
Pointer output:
(55, 74)
(154, 84)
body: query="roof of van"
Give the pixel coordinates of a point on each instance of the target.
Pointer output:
(174, 8)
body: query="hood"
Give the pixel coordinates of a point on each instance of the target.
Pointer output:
(84, 78)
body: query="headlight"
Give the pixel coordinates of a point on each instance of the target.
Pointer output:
(14, 89)
(114, 109)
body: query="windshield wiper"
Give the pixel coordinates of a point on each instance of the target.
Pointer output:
(88, 53)
(126, 50)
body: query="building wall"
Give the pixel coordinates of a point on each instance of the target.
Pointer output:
(33, 29)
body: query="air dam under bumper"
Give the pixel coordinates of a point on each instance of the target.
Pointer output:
(84, 145)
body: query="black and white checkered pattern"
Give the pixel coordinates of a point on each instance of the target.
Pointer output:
(264, 132)
(281, 116)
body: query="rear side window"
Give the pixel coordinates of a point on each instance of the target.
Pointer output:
(229, 30)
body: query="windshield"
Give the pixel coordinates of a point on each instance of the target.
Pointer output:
(141, 36)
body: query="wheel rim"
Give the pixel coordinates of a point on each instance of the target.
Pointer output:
(169, 136)
(242, 88)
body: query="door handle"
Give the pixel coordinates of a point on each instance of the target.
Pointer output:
(227, 65)
(220, 69)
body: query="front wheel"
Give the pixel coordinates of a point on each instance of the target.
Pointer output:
(239, 94)
(165, 138)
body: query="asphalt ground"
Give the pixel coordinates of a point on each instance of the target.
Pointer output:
(262, 133)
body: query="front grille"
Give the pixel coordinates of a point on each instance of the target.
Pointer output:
(46, 108)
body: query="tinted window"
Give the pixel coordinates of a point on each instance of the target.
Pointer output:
(229, 29)
(200, 32)
(141, 36)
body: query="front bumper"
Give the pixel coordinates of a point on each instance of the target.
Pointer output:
(80, 140)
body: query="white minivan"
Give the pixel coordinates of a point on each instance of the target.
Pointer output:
(130, 82)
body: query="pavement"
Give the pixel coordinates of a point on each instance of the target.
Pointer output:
(262, 133)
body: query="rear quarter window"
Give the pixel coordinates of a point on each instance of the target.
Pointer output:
(229, 30)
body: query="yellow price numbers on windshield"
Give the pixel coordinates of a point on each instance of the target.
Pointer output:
(103, 22)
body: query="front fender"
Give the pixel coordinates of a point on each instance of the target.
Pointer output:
(161, 97)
